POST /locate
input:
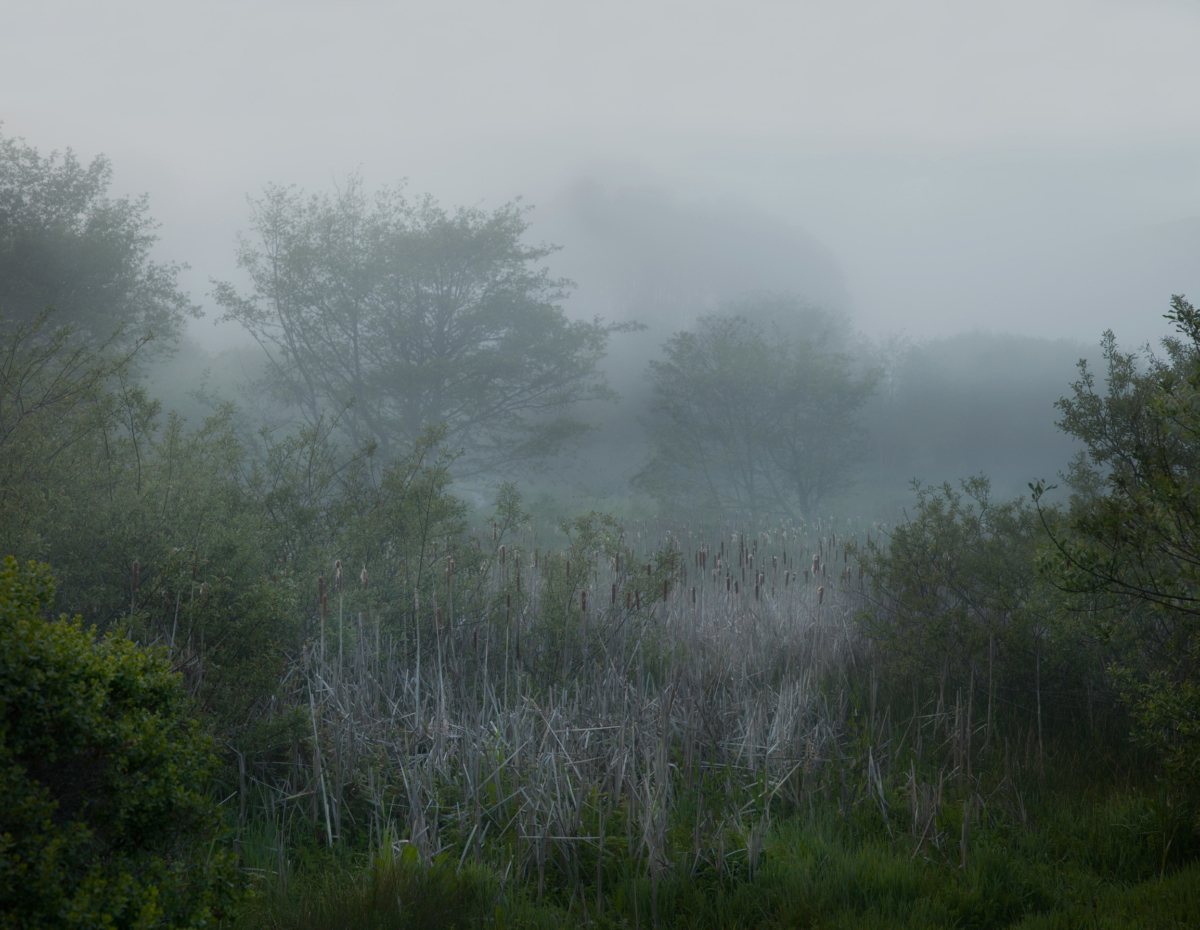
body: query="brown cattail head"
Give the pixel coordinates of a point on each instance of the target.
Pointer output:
(438, 613)
(816, 564)
(136, 566)
(502, 554)
(337, 575)
(820, 594)
(324, 606)
(495, 532)
(363, 578)
(195, 562)
(583, 600)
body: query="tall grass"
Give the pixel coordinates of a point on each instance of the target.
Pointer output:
(679, 730)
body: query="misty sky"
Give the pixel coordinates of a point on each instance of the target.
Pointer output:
(1030, 166)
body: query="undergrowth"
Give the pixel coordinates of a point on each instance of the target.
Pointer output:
(1122, 859)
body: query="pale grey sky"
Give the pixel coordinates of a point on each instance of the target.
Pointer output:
(1026, 166)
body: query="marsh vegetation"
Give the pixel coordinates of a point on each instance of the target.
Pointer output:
(348, 668)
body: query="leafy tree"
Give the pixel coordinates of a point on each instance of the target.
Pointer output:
(1127, 553)
(407, 316)
(64, 243)
(104, 815)
(957, 601)
(229, 545)
(752, 421)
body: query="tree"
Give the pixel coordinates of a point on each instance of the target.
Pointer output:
(64, 243)
(408, 316)
(1128, 551)
(105, 819)
(957, 601)
(752, 422)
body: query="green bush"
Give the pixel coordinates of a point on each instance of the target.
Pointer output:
(104, 819)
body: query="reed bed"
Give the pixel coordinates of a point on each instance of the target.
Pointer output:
(672, 725)
(552, 734)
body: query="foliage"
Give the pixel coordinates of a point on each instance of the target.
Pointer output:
(1080, 865)
(64, 243)
(390, 893)
(229, 544)
(958, 600)
(408, 316)
(751, 422)
(1127, 552)
(104, 811)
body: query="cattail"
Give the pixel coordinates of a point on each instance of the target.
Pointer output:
(583, 600)
(637, 597)
(324, 604)
(614, 592)
(816, 565)
(501, 555)
(820, 594)
(274, 578)
(320, 588)
(195, 562)
(438, 614)
(337, 575)
(363, 578)
(495, 532)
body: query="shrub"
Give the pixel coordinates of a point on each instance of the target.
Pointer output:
(104, 818)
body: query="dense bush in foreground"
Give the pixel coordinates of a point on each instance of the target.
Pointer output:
(105, 819)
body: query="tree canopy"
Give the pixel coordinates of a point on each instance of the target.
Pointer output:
(752, 421)
(1128, 552)
(64, 243)
(406, 315)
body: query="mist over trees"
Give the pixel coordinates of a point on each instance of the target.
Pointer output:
(393, 317)
(750, 421)
(64, 243)
(319, 665)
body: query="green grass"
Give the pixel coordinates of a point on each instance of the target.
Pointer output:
(1077, 862)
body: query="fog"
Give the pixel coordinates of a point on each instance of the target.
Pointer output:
(934, 171)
